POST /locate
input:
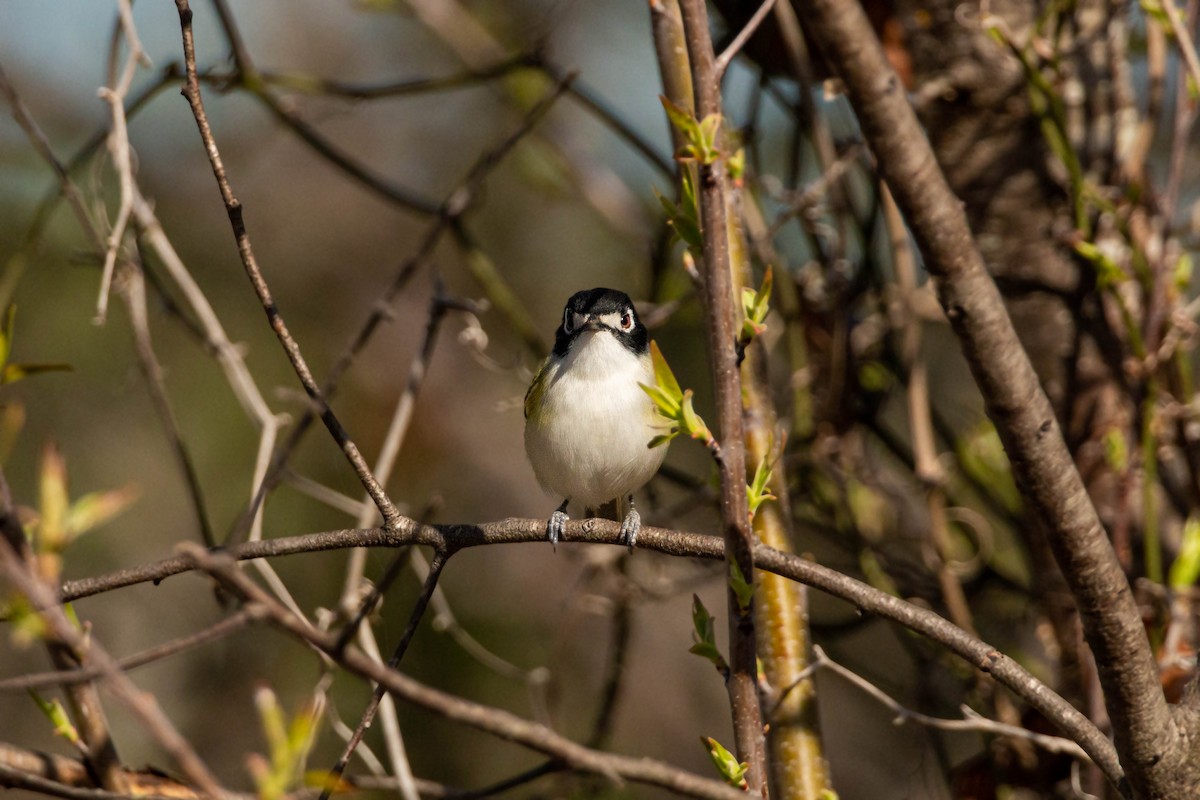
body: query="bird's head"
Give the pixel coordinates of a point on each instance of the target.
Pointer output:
(600, 312)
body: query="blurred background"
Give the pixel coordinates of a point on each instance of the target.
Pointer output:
(571, 206)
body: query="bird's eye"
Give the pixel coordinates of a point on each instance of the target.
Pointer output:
(626, 321)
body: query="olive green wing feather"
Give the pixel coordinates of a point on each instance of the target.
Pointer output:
(533, 395)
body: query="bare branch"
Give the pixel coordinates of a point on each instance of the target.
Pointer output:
(492, 720)
(971, 721)
(739, 41)
(451, 538)
(234, 209)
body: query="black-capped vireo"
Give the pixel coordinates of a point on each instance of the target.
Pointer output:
(588, 424)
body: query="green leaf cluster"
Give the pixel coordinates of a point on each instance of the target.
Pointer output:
(59, 521)
(289, 744)
(700, 136)
(673, 403)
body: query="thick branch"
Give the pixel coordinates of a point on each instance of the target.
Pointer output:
(1015, 401)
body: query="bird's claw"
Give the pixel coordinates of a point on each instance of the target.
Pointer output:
(629, 528)
(556, 526)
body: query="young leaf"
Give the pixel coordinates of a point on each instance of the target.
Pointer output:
(53, 506)
(683, 120)
(737, 167)
(662, 439)
(691, 420)
(96, 508)
(673, 403)
(758, 492)
(756, 304)
(742, 588)
(1116, 452)
(704, 636)
(288, 742)
(58, 718)
(732, 770)
(667, 405)
(663, 376)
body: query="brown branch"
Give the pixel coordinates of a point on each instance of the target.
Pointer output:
(458, 201)
(719, 311)
(233, 208)
(143, 706)
(131, 286)
(492, 720)
(248, 77)
(451, 538)
(970, 721)
(1146, 734)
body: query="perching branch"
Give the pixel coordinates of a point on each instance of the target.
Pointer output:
(451, 538)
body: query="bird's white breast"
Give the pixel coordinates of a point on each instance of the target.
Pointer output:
(587, 439)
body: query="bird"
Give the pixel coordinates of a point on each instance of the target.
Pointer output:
(588, 424)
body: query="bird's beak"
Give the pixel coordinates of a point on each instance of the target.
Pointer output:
(593, 324)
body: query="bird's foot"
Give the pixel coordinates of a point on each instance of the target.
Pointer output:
(557, 525)
(630, 527)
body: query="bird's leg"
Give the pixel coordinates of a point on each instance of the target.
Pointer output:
(631, 522)
(557, 523)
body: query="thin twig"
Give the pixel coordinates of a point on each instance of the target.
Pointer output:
(492, 720)
(227, 354)
(132, 288)
(440, 558)
(618, 653)
(739, 41)
(1186, 46)
(234, 210)
(393, 440)
(972, 722)
(119, 148)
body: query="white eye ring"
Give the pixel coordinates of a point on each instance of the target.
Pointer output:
(567, 320)
(627, 320)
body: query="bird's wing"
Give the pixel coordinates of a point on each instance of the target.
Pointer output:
(533, 395)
